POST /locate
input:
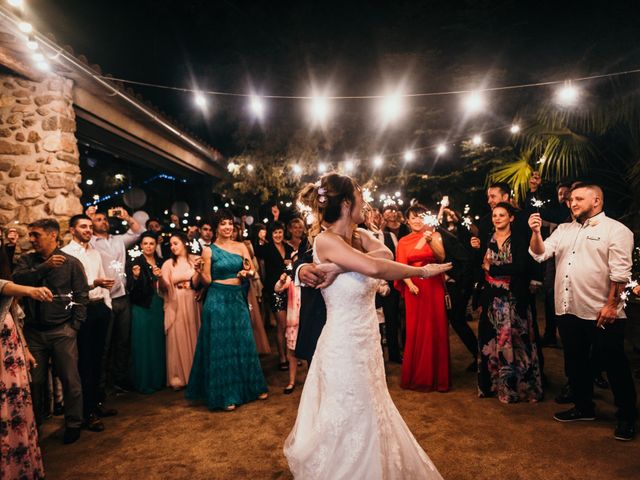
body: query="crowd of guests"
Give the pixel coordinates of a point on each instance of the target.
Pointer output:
(158, 307)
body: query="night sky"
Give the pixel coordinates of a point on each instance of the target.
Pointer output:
(283, 47)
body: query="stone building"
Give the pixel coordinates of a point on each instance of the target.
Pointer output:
(45, 114)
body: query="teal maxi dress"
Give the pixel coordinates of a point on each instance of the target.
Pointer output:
(147, 330)
(226, 369)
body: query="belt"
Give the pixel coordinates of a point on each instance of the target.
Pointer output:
(182, 285)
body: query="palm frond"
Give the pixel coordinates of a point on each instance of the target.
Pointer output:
(516, 174)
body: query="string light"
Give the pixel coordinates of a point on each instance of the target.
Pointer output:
(38, 57)
(297, 169)
(16, 3)
(442, 148)
(32, 44)
(200, 100)
(477, 140)
(567, 95)
(409, 156)
(349, 165)
(322, 167)
(25, 27)
(391, 108)
(257, 106)
(89, 182)
(378, 161)
(320, 109)
(249, 167)
(474, 102)
(515, 128)
(44, 66)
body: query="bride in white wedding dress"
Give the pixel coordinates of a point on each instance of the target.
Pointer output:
(348, 426)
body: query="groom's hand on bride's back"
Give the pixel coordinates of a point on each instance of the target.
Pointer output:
(331, 271)
(310, 275)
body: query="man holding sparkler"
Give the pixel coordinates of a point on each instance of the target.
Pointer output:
(593, 265)
(51, 328)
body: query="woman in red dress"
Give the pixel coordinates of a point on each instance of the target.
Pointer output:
(425, 365)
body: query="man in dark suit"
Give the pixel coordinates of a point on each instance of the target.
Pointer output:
(459, 283)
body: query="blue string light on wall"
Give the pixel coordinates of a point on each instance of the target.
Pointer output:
(121, 191)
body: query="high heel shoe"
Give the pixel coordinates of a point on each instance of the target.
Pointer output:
(289, 389)
(263, 396)
(230, 408)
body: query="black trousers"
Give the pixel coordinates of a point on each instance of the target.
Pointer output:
(580, 337)
(116, 360)
(91, 343)
(391, 309)
(551, 320)
(458, 317)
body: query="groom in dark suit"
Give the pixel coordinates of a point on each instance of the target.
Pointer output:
(313, 311)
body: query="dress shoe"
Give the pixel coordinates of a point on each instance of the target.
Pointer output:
(288, 390)
(574, 415)
(71, 434)
(565, 395)
(625, 431)
(102, 411)
(94, 423)
(601, 382)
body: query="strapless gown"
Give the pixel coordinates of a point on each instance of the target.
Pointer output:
(347, 425)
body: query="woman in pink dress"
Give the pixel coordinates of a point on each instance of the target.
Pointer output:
(180, 278)
(19, 452)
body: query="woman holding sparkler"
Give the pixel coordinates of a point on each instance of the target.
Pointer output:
(425, 365)
(180, 276)
(508, 365)
(226, 369)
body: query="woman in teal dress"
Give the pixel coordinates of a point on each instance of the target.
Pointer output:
(226, 370)
(147, 316)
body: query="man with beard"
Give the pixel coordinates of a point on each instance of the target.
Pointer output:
(93, 332)
(593, 264)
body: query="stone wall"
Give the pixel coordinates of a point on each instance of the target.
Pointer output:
(39, 159)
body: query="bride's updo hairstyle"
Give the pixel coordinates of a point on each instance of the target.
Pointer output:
(324, 198)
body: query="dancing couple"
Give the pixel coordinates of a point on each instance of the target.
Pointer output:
(347, 425)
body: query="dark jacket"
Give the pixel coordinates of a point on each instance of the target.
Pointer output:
(141, 290)
(273, 263)
(460, 258)
(519, 272)
(313, 313)
(68, 278)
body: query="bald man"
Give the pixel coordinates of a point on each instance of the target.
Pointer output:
(593, 264)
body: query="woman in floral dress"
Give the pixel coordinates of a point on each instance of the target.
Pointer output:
(508, 364)
(20, 456)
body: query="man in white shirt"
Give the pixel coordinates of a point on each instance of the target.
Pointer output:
(113, 249)
(593, 265)
(93, 332)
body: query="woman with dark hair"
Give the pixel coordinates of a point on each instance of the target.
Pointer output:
(347, 425)
(508, 364)
(147, 318)
(425, 364)
(180, 277)
(277, 260)
(226, 369)
(19, 452)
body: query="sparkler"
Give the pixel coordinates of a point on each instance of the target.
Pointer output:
(66, 296)
(538, 204)
(134, 252)
(430, 220)
(467, 222)
(195, 247)
(627, 292)
(117, 267)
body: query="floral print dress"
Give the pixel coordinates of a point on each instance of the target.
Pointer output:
(508, 364)
(20, 456)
